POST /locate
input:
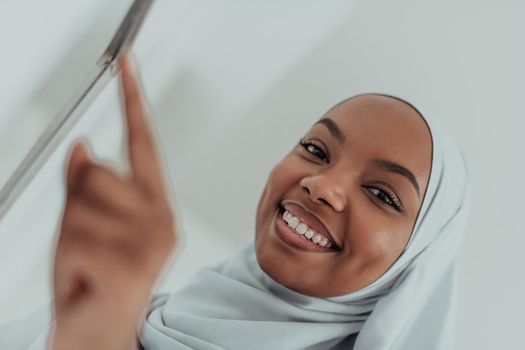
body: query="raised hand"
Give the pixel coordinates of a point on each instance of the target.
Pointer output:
(116, 235)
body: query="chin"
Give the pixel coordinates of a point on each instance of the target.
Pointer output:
(274, 263)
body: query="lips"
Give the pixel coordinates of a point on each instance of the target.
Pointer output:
(309, 219)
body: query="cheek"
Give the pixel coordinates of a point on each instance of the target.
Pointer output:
(378, 239)
(277, 184)
(281, 178)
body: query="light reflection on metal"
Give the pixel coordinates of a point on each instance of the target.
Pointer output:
(74, 108)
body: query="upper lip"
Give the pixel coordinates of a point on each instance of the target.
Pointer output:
(310, 219)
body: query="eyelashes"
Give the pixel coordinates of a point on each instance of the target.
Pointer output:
(385, 195)
(311, 146)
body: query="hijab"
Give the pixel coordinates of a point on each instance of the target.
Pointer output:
(236, 305)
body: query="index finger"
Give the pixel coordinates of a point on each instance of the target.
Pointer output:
(144, 158)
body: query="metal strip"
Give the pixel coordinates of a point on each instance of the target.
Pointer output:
(74, 108)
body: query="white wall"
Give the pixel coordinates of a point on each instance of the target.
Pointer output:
(235, 84)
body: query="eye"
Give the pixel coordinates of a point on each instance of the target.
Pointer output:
(310, 145)
(386, 196)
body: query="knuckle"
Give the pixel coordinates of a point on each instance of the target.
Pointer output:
(167, 222)
(163, 222)
(126, 248)
(93, 175)
(144, 239)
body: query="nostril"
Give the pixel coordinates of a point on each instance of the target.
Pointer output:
(307, 190)
(322, 201)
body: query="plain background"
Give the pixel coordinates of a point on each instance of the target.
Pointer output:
(235, 84)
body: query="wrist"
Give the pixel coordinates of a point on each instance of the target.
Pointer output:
(89, 338)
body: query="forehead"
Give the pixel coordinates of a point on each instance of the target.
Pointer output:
(384, 127)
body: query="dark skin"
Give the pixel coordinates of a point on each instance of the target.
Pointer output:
(116, 235)
(341, 183)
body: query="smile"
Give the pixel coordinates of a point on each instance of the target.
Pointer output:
(299, 235)
(303, 229)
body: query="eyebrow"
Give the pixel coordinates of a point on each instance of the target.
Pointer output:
(333, 128)
(398, 169)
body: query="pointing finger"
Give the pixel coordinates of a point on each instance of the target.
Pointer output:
(144, 158)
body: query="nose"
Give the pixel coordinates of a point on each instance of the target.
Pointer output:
(324, 190)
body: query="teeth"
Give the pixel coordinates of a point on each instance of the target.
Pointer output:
(303, 229)
(309, 234)
(293, 222)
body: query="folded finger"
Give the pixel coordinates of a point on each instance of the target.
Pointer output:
(105, 189)
(93, 228)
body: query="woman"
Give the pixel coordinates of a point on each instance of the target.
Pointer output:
(356, 236)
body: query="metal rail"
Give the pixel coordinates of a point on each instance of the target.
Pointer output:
(74, 108)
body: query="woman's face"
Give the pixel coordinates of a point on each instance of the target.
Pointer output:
(359, 181)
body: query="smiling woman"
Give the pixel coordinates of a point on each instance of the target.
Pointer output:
(350, 172)
(356, 236)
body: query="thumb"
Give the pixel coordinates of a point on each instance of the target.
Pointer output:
(77, 161)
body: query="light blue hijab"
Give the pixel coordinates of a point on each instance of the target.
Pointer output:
(236, 305)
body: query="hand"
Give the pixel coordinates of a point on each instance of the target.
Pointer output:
(115, 237)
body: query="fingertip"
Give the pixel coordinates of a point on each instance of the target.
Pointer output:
(122, 61)
(74, 156)
(126, 62)
(80, 152)
(80, 156)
